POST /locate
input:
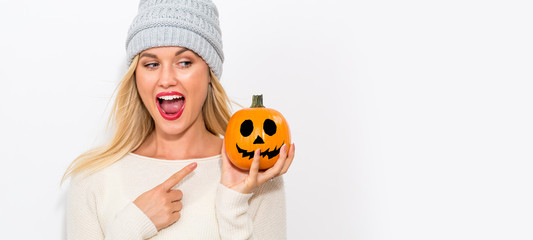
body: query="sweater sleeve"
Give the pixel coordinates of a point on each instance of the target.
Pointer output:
(257, 216)
(83, 223)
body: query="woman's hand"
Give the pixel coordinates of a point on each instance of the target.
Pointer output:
(247, 181)
(162, 204)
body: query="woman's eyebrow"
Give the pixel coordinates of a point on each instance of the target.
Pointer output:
(181, 51)
(148, 55)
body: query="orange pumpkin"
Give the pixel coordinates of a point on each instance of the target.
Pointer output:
(256, 127)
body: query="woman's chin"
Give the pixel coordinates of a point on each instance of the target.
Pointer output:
(170, 128)
(177, 126)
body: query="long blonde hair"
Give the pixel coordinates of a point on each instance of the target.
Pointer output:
(133, 123)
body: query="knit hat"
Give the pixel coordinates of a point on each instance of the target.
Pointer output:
(192, 24)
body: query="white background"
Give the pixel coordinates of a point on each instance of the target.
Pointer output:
(412, 119)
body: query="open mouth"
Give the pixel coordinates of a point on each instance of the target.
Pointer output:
(170, 104)
(270, 153)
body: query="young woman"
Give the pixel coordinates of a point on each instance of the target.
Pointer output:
(165, 173)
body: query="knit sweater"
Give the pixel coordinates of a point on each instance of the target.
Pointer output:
(100, 206)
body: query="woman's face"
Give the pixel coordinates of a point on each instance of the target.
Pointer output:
(172, 83)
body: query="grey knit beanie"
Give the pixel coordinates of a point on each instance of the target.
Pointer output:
(192, 24)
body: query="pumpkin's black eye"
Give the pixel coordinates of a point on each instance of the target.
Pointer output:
(247, 127)
(270, 127)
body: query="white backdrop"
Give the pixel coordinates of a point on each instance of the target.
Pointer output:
(412, 119)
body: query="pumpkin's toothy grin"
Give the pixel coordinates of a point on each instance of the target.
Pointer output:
(267, 152)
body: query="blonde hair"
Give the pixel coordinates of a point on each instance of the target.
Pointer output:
(133, 123)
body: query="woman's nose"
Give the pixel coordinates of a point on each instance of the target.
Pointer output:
(168, 77)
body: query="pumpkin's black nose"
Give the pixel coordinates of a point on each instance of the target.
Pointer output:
(258, 140)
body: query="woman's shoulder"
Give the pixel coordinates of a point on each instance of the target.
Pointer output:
(91, 178)
(87, 179)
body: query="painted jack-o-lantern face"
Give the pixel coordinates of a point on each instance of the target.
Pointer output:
(254, 128)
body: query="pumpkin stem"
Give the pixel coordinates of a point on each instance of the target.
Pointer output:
(257, 101)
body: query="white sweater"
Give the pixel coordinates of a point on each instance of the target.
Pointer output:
(100, 206)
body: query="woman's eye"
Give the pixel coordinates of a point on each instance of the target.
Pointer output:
(151, 65)
(185, 63)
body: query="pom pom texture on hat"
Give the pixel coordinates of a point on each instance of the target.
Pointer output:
(192, 24)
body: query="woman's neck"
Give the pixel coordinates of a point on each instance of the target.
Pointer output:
(195, 142)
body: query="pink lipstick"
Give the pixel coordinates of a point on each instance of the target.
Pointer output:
(170, 104)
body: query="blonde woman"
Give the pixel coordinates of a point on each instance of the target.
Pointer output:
(165, 174)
